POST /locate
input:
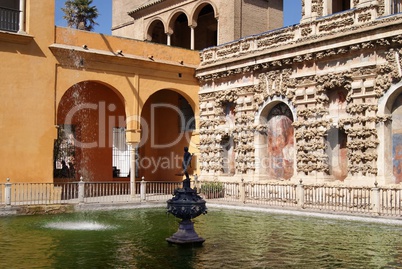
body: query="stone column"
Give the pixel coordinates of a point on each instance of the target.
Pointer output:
(308, 15)
(81, 190)
(133, 168)
(133, 137)
(384, 159)
(7, 197)
(21, 29)
(192, 29)
(169, 38)
(217, 32)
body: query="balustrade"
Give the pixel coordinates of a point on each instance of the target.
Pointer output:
(383, 201)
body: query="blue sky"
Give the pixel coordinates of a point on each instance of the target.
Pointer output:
(292, 9)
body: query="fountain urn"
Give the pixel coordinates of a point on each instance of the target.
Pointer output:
(186, 204)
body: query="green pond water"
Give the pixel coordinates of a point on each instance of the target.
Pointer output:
(135, 238)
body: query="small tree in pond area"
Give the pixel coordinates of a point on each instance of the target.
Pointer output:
(80, 14)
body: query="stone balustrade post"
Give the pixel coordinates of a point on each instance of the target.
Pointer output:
(81, 190)
(196, 182)
(7, 197)
(143, 190)
(300, 194)
(242, 189)
(376, 199)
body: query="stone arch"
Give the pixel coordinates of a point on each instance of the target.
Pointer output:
(196, 10)
(204, 21)
(396, 132)
(269, 104)
(385, 103)
(170, 117)
(156, 31)
(389, 136)
(87, 114)
(275, 142)
(179, 29)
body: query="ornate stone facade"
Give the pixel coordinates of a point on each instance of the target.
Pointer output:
(332, 73)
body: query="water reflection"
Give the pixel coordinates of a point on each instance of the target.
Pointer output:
(234, 239)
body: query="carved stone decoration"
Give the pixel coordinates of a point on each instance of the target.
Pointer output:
(381, 7)
(275, 83)
(320, 55)
(318, 7)
(364, 17)
(362, 69)
(311, 145)
(214, 130)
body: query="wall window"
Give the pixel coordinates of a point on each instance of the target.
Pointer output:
(121, 153)
(9, 15)
(64, 152)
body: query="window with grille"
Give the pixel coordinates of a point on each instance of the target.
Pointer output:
(64, 152)
(9, 15)
(121, 153)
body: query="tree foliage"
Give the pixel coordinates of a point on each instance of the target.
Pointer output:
(80, 14)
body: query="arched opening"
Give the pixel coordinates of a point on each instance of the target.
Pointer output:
(170, 119)
(337, 153)
(206, 32)
(397, 138)
(89, 117)
(156, 33)
(181, 36)
(279, 156)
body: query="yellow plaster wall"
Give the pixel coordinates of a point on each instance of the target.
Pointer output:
(26, 99)
(38, 68)
(134, 77)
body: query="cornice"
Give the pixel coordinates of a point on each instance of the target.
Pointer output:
(78, 55)
(236, 60)
(152, 3)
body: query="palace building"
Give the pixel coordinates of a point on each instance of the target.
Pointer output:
(319, 101)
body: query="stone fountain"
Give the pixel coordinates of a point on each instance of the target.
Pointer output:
(186, 205)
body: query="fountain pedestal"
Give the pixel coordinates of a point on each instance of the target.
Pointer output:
(185, 234)
(186, 205)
